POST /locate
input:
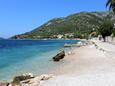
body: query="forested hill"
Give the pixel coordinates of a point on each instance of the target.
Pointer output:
(71, 26)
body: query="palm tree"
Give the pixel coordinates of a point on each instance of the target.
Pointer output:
(111, 5)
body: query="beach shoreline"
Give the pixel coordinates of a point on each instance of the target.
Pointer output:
(85, 61)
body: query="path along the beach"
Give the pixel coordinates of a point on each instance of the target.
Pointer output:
(88, 66)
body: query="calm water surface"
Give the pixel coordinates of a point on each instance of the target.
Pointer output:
(22, 56)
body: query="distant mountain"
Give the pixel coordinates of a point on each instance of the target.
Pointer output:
(79, 23)
(1, 38)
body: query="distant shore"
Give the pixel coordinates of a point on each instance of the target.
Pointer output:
(45, 39)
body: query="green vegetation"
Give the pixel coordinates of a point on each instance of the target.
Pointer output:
(111, 4)
(106, 28)
(78, 25)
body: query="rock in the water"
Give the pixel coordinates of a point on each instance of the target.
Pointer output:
(59, 56)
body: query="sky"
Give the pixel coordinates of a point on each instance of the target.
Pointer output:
(20, 16)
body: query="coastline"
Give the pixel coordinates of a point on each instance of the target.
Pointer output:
(34, 61)
(85, 62)
(56, 64)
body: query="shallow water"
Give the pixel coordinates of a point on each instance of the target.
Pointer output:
(22, 56)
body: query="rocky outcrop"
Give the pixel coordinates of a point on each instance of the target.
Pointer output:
(36, 81)
(59, 56)
(28, 80)
(20, 78)
(4, 83)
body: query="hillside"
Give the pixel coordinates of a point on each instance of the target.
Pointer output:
(70, 26)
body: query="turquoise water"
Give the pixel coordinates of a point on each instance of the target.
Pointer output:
(23, 56)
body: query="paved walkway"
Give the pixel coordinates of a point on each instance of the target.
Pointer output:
(109, 48)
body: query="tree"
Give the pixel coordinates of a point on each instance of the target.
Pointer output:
(111, 5)
(106, 29)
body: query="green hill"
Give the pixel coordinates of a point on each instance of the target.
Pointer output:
(71, 26)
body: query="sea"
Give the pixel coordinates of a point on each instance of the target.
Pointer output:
(29, 56)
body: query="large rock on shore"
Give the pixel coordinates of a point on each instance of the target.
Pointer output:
(59, 56)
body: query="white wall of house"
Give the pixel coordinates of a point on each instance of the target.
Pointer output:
(59, 36)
